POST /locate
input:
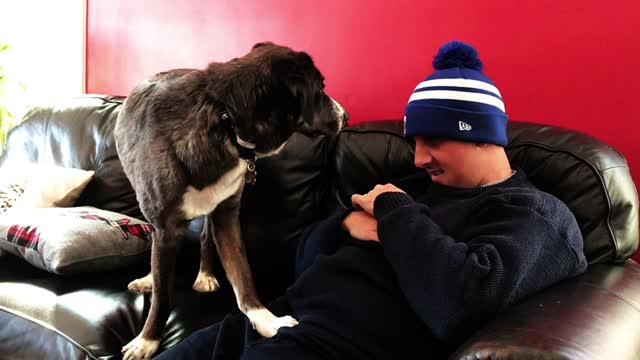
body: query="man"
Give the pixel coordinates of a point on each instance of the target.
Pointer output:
(400, 276)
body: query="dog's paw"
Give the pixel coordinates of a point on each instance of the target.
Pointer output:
(206, 283)
(267, 324)
(144, 284)
(140, 348)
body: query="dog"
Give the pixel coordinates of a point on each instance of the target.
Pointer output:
(187, 140)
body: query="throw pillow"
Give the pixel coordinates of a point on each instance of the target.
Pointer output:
(9, 193)
(47, 186)
(74, 240)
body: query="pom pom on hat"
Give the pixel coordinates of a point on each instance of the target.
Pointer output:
(457, 54)
(457, 101)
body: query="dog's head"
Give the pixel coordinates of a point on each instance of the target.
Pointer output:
(277, 91)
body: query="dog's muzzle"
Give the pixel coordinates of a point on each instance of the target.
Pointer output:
(340, 113)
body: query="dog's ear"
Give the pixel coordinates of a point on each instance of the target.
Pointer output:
(277, 88)
(262, 91)
(288, 83)
(304, 59)
(261, 44)
(296, 70)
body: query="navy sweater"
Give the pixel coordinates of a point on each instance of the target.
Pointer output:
(446, 263)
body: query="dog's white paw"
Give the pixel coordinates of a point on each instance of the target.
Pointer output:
(144, 284)
(267, 324)
(140, 348)
(206, 282)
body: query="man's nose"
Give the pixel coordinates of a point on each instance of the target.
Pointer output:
(422, 156)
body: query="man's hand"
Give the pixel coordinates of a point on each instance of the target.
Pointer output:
(365, 202)
(361, 226)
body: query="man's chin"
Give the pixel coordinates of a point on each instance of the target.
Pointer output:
(438, 179)
(436, 176)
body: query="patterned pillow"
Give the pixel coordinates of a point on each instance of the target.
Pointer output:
(73, 240)
(9, 193)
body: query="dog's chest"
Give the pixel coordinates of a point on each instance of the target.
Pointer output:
(201, 202)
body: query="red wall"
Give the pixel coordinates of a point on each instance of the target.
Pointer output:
(571, 63)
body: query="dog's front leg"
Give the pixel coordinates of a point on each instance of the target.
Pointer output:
(232, 253)
(163, 259)
(206, 281)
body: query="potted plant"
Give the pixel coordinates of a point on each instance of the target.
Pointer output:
(7, 120)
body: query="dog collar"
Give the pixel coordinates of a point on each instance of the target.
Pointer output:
(245, 150)
(252, 173)
(245, 144)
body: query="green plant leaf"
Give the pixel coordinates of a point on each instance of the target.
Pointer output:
(6, 119)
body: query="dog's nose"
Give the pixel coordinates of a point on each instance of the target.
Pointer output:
(345, 119)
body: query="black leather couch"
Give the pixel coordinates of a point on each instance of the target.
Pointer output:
(89, 316)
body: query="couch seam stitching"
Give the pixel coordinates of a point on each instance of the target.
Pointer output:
(616, 294)
(48, 326)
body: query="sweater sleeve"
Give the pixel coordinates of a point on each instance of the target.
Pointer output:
(454, 286)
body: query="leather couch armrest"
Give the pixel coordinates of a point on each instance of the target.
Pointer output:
(595, 316)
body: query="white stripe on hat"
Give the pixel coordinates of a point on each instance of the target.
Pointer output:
(459, 82)
(457, 95)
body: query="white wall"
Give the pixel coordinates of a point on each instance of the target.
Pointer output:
(47, 55)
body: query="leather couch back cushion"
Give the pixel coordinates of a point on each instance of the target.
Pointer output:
(287, 196)
(589, 176)
(314, 176)
(77, 134)
(368, 154)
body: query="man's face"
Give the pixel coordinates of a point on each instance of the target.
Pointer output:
(449, 162)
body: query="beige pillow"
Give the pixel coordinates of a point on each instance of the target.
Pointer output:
(9, 193)
(46, 186)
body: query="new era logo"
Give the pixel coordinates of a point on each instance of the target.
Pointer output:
(464, 126)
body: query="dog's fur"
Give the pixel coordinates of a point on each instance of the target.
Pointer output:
(179, 137)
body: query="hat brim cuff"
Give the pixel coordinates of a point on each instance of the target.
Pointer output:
(448, 123)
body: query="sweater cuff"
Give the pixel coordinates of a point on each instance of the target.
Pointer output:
(389, 201)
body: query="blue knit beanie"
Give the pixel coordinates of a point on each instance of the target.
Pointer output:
(457, 101)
